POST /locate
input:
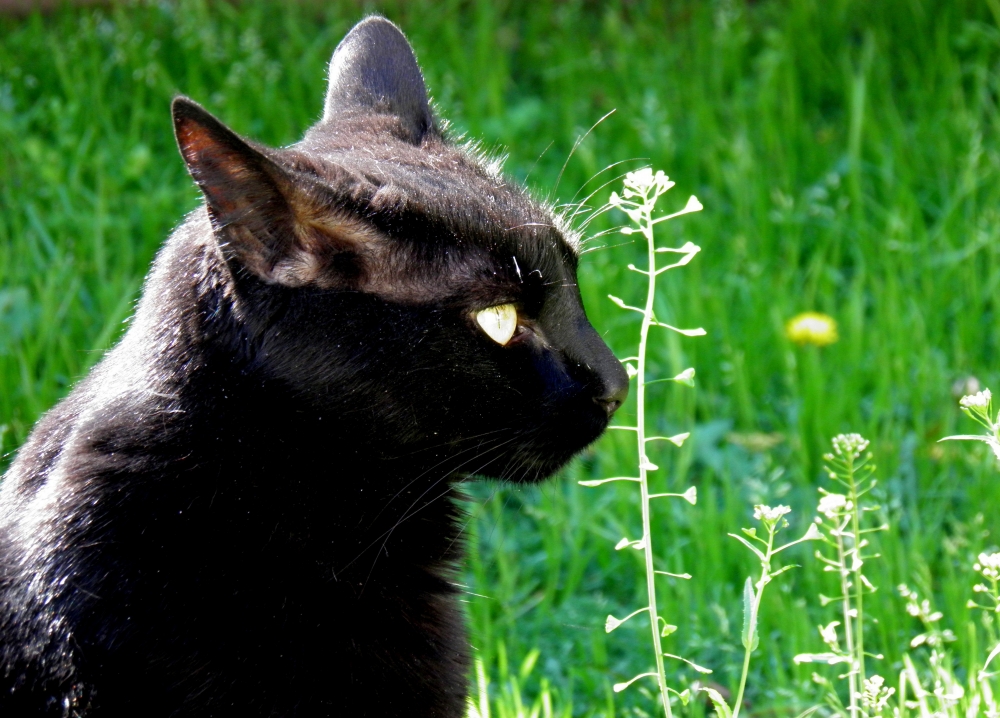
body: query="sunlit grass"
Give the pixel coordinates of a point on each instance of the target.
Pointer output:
(849, 154)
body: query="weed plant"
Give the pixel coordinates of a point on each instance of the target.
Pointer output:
(638, 201)
(935, 689)
(845, 532)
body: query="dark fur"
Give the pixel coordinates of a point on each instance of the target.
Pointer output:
(245, 509)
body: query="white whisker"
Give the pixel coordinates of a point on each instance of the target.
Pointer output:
(576, 145)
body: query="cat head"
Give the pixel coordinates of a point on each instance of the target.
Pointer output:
(408, 287)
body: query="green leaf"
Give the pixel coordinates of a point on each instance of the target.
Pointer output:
(619, 687)
(993, 654)
(529, 664)
(750, 638)
(598, 482)
(700, 669)
(685, 696)
(721, 707)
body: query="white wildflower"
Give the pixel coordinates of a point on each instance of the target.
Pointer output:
(829, 634)
(849, 445)
(988, 565)
(979, 399)
(875, 695)
(642, 180)
(769, 515)
(989, 560)
(833, 505)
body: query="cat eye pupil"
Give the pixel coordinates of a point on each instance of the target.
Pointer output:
(499, 322)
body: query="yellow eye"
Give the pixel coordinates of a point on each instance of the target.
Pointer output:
(498, 322)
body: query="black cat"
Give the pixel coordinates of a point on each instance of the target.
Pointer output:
(246, 508)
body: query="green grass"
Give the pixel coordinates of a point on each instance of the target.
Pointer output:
(848, 158)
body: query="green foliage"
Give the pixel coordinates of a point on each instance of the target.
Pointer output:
(849, 153)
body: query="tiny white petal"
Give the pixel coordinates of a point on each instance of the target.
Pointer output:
(693, 205)
(979, 399)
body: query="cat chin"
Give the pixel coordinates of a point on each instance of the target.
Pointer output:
(539, 461)
(529, 467)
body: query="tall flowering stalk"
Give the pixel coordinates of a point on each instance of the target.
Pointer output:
(638, 200)
(843, 530)
(773, 520)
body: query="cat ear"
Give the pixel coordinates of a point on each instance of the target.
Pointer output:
(236, 179)
(268, 221)
(374, 70)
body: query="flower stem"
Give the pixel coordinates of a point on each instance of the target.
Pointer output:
(646, 227)
(765, 572)
(858, 583)
(845, 592)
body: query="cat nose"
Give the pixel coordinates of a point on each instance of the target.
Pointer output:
(614, 394)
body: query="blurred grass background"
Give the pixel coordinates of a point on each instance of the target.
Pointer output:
(848, 159)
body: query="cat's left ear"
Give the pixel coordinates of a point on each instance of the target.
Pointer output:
(269, 223)
(374, 70)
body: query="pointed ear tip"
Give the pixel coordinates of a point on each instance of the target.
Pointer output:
(377, 22)
(373, 29)
(184, 108)
(375, 18)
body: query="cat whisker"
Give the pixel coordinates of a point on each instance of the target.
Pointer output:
(432, 468)
(603, 186)
(602, 171)
(604, 246)
(473, 515)
(410, 512)
(529, 224)
(407, 513)
(612, 230)
(446, 442)
(578, 209)
(583, 203)
(537, 160)
(576, 146)
(595, 214)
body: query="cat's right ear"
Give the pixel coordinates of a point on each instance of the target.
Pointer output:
(264, 218)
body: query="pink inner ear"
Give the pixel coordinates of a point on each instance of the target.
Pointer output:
(271, 222)
(222, 173)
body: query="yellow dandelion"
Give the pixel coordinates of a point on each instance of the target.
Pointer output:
(812, 328)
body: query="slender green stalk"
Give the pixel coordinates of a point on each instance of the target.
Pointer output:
(840, 520)
(646, 225)
(773, 520)
(859, 586)
(642, 190)
(748, 650)
(849, 632)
